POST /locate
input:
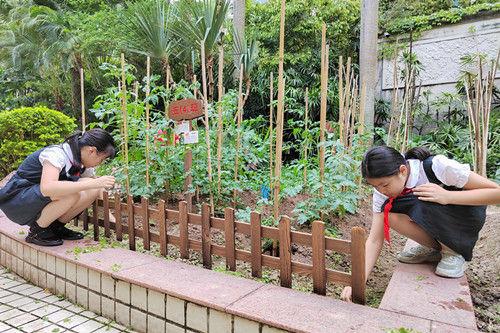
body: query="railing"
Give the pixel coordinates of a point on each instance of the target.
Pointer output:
(283, 234)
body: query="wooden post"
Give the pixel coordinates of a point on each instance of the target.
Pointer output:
(95, 220)
(207, 122)
(118, 216)
(229, 239)
(85, 219)
(145, 222)
(148, 78)
(318, 259)
(125, 128)
(306, 129)
(163, 228)
(105, 204)
(271, 96)
(131, 222)
(188, 162)
(279, 118)
(183, 230)
(324, 90)
(285, 252)
(219, 118)
(256, 240)
(82, 98)
(358, 270)
(239, 116)
(206, 242)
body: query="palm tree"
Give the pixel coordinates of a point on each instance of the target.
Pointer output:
(201, 22)
(147, 30)
(37, 42)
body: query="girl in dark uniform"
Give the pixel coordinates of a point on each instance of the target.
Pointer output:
(55, 184)
(436, 201)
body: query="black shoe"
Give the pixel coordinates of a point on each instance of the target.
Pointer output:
(42, 236)
(62, 232)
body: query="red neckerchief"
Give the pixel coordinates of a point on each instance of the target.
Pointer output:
(387, 209)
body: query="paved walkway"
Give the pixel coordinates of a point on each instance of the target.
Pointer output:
(28, 308)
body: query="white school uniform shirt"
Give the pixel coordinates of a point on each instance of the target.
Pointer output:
(60, 156)
(447, 171)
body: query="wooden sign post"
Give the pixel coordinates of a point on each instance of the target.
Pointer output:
(186, 109)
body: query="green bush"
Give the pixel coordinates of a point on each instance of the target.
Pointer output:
(25, 130)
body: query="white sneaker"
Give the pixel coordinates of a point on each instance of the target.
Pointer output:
(419, 254)
(452, 265)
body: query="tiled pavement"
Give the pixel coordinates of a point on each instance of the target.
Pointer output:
(27, 308)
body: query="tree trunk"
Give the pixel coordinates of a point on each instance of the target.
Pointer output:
(368, 57)
(239, 10)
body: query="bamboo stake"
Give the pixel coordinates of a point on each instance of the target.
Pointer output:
(324, 89)
(82, 96)
(394, 106)
(219, 118)
(279, 119)
(239, 115)
(341, 94)
(195, 91)
(306, 129)
(148, 78)
(125, 128)
(354, 112)
(207, 124)
(271, 96)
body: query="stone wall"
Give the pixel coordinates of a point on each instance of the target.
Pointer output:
(440, 50)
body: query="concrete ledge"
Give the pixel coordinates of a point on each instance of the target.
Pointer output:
(416, 290)
(151, 294)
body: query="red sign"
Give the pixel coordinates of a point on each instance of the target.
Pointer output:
(185, 109)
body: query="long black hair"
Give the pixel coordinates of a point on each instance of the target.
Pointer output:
(96, 137)
(384, 161)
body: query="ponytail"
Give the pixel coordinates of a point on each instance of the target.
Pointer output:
(418, 153)
(96, 137)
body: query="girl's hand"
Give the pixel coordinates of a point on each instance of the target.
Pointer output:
(106, 182)
(433, 193)
(346, 294)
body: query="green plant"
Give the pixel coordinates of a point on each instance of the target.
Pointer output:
(25, 130)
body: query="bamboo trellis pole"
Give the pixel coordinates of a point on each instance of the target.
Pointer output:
(219, 118)
(306, 129)
(354, 112)
(125, 127)
(207, 123)
(82, 98)
(148, 78)
(279, 118)
(395, 98)
(271, 96)
(239, 116)
(324, 89)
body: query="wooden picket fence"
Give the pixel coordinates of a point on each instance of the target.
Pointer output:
(283, 234)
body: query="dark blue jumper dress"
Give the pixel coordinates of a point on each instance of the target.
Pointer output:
(456, 226)
(21, 199)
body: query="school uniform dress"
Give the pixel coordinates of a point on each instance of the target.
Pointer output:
(456, 226)
(21, 199)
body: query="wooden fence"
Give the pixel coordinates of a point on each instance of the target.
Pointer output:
(316, 240)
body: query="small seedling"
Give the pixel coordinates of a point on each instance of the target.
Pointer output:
(420, 277)
(116, 267)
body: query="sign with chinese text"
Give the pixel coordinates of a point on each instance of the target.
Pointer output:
(185, 109)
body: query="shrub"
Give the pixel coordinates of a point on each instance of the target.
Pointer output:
(25, 130)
